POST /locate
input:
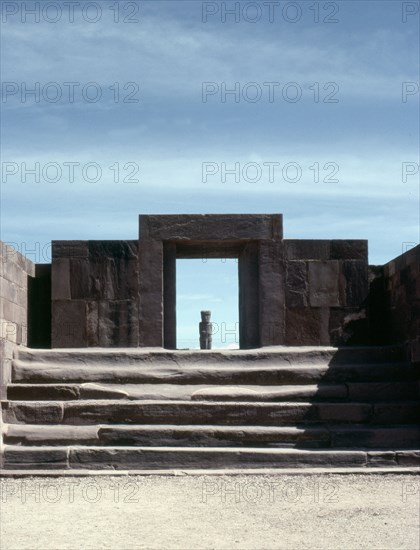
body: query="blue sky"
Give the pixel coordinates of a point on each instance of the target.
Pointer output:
(368, 133)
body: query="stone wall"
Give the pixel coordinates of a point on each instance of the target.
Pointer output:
(326, 292)
(401, 286)
(94, 294)
(15, 272)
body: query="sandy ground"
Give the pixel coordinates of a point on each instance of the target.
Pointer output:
(211, 512)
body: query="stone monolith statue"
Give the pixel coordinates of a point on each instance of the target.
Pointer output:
(205, 330)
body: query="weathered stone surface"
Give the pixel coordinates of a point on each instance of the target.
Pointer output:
(349, 250)
(297, 284)
(356, 277)
(127, 250)
(272, 277)
(323, 284)
(306, 326)
(60, 279)
(211, 436)
(32, 412)
(118, 324)
(166, 412)
(277, 393)
(381, 458)
(307, 249)
(80, 283)
(35, 392)
(69, 324)
(408, 458)
(41, 458)
(37, 435)
(185, 458)
(69, 249)
(92, 323)
(211, 227)
(348, 326)
(150, 294)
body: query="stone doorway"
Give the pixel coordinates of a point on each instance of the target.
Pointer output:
(253, 239)
(207, 284)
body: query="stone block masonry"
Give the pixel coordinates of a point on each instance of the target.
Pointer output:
(291, 292)
(15, 272)
(94, 292)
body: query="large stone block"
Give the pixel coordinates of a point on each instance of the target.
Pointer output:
(69, 249)
(272, 279)
(92, 323)
(349, 250)
(151, 294)
(118, 324)
(15, 313)
(13, 273)
(307, 249)
(297, 285)
(307, 326)
(211, 227)
(10, 291)
(98, 250)
(69, 324)
(111, 279)
(60, 279)
(324, 284)
(80, 283)
(357, 286)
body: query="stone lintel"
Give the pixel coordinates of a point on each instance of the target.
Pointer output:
(207, 227)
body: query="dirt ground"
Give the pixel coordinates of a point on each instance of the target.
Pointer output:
(211, 512)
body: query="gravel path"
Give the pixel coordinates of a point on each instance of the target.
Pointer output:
(214, 512)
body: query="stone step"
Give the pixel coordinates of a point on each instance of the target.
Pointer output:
(302, 436)
(364, 391)
(274, 355)
(165, 435)
(189, 458)
(230, 374)
(206, 412)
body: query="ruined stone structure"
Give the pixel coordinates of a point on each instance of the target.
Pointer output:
(350, 397)
(292, 292)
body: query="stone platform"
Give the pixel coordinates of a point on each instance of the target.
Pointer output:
(154, 409)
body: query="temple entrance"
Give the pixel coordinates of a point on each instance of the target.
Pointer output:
(254, 240)
(207, 284)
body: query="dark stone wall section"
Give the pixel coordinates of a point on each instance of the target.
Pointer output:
(326, 292)
(395, 302)
(94, 291)
(39, 307)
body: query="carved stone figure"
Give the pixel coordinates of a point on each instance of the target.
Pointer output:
(205, 330)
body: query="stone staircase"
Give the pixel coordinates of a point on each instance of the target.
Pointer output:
(153, 409)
